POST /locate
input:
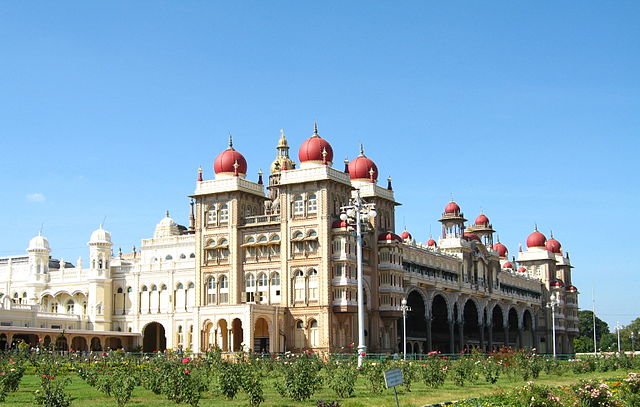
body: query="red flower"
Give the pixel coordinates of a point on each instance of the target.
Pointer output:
(186, 360)
(186, 371)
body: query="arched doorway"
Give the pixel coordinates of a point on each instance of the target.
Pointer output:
(528, 338)
(114, 343)
(95, 344)
(261, 336)
(79, 344)
(238, 334)
(416, 324)
(471, 326)
(513, 328)
(3, 342)
(153, 338)
(47, 341)
(61, 344)
(440, 325)
(497, 327)
(222, 335)
(208, 336)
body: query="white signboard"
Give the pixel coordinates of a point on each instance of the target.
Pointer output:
(393, 378)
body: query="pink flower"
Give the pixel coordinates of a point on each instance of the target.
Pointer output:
(186, 371)
(186, 360)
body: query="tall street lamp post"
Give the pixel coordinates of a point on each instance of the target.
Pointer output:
(618, 332)
(404, 307)
(355, 214)
(633, 342)
(553, 303)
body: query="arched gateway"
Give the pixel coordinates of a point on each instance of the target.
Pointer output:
(153, 338)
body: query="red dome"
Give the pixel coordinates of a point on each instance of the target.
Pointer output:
(339, 224)
(389, 236)
(572, 288)
(312, 149)
(507, 265)
(536, 239)
(363, 167)
(406, 235)
(522, 269)
(501, 249)
(482, 220)
(226, 161)
(452, 208)
(431, 243)
(553, 245)
(557, 283)
(471, 236)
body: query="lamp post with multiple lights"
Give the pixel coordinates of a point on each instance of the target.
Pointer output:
(358, 213)
(553, 303)
(405, 308)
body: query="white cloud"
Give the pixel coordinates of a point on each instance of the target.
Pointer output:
(36, 197)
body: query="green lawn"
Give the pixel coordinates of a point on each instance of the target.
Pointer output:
(420, 395)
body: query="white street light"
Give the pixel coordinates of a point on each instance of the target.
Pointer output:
(356, 213)
(618, 332)
(553, 303)
(404, 307)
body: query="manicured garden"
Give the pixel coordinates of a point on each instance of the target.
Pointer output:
(504, 378)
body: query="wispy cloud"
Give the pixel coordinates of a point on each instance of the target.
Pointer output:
(36, 197)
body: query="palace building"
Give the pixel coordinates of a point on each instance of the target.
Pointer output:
(268, 266)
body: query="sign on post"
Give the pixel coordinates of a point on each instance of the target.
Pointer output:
(393, 378)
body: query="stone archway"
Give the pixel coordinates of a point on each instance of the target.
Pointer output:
(79, 343)
(96, 345)
(416, 323)
(208, 336)
(528, 334)
(154, 338)
(440, 332)
(512, 328)
(472, 335)
(115, 343)
(261, 340)
(238, 334)
(222, 335)
(497, 328)
(62, 344)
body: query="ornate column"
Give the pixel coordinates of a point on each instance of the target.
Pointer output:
(451, 337)
(461, 333)
(481, 328)
(429, 341)
(506, 335)
(490, 330)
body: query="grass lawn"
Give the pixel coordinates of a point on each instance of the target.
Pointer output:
(420, 395)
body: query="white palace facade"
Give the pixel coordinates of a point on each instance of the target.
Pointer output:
(269, 266)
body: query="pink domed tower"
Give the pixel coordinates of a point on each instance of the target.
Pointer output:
(363, 169)
(230, 163)
(452, 221)
(315, 151)
(483, 229)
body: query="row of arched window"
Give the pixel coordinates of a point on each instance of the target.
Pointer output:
(217, 214)
(304, 204)
(305, 286)
(169, 257)
(262, 287)
(217, 290)
(306, 336)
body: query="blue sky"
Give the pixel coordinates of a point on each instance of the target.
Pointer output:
(527, 110)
